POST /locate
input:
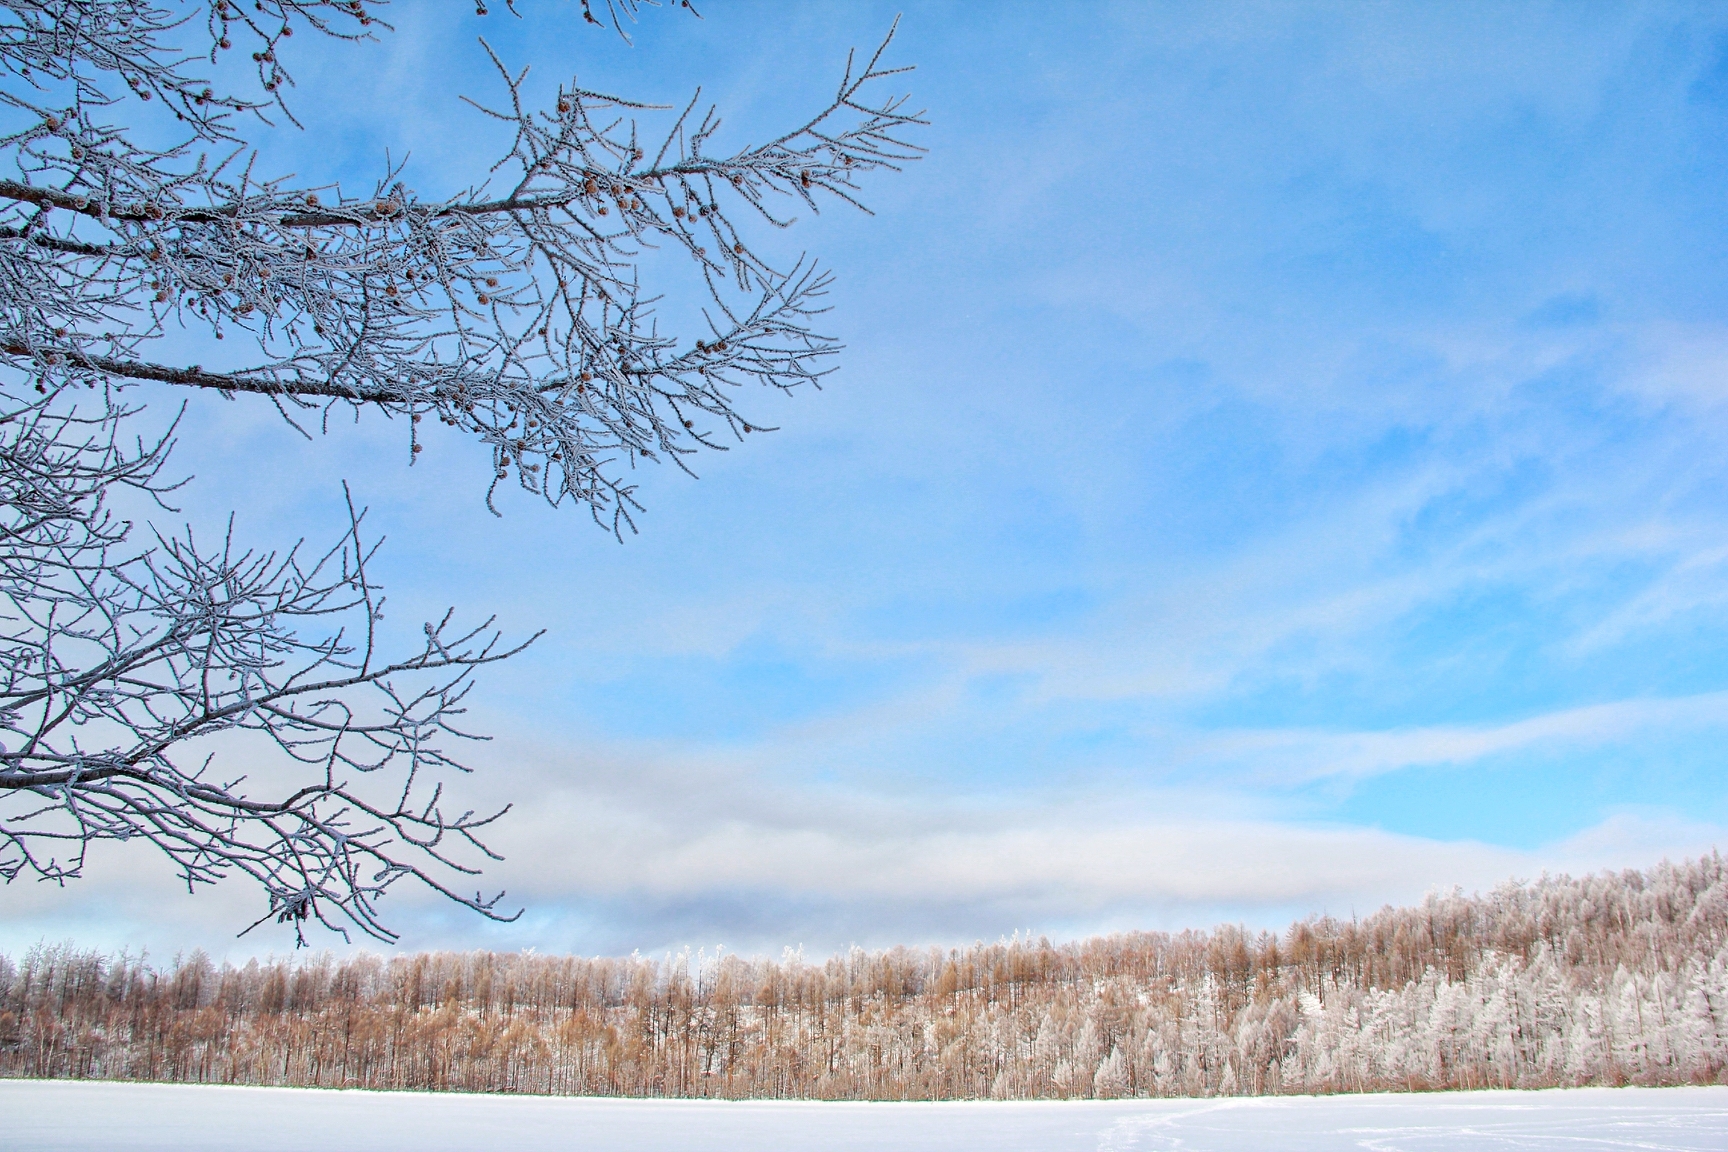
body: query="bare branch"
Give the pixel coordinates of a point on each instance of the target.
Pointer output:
(521, 318)
(520, 315)
(114, 667)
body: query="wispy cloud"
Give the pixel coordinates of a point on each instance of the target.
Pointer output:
(1293, 755)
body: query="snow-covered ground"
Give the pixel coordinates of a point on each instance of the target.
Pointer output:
(82, 1116)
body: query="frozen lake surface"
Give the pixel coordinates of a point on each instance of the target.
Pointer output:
(83, 1116)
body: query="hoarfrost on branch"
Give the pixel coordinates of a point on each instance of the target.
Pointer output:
(516, 311)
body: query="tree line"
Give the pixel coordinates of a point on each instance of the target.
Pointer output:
(1607, 979)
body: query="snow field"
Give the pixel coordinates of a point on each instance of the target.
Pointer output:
(92, 1116)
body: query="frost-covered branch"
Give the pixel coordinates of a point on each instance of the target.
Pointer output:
(118, 669)
(134, 664)
(516, 310)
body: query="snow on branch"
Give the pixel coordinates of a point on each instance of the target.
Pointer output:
(518, 314)
(133, 663)
(117, 668)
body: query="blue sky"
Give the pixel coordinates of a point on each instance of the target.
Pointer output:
(1278, 466)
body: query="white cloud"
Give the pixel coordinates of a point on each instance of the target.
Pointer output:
(629, 852)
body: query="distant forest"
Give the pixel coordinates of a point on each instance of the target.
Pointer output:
(1609, 979)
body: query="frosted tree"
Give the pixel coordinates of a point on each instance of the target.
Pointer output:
(1139, 1014)
(139, 667)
